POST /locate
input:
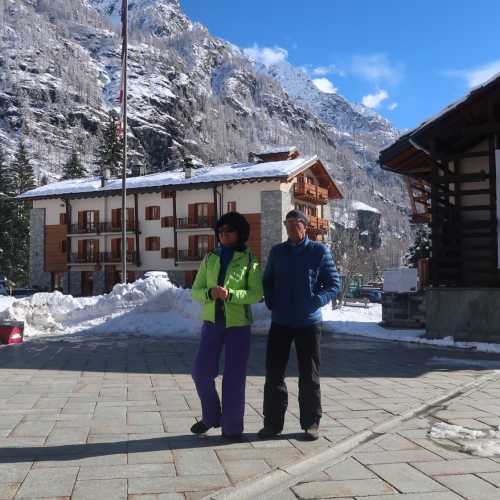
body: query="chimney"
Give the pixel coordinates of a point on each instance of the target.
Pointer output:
(188, 167)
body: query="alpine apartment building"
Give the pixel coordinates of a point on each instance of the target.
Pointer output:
(76, 224)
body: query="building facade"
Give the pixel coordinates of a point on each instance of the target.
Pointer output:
(76, 228)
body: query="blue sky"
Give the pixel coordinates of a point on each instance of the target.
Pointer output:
(405, 59)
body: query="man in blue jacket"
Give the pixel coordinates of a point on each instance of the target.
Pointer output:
(299, 279)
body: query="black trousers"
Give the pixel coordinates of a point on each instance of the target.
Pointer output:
(307, 345)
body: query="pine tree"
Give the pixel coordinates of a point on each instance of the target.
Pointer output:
(110, 151)
(73, 168)
(23, 180)
(7, 216)
(420, 249)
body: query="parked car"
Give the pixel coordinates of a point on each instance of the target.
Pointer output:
(23, 292)
(372, 294)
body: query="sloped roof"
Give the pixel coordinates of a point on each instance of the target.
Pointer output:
(226, 173)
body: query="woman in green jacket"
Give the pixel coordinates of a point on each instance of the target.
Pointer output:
(228, 281)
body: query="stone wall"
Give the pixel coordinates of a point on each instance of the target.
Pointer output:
(275, 205)
(463, 313)
(39, 278)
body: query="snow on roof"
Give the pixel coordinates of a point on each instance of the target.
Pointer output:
(220, 173)
(275, 150)
(359, 205)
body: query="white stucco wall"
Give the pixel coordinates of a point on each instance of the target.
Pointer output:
(52, 209)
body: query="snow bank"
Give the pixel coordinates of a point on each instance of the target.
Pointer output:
(365, 322)
(152, 306)
(6, 302)
(483, 443)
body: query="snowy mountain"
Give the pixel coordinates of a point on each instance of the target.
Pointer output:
(189, 93)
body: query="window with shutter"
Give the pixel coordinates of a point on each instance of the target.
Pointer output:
(152, 213)
(167, 221)
(231, 206)
(153, 243)
(63, 219)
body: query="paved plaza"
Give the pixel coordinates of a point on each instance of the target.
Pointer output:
(108, 417)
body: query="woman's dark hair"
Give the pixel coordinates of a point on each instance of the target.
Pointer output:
(236, 221)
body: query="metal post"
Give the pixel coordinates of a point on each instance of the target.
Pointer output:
(124, 131)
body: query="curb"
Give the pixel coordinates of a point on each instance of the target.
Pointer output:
(283, 477)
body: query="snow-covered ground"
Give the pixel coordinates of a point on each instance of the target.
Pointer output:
(154, 306)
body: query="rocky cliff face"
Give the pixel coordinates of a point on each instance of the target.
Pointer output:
(189, 93)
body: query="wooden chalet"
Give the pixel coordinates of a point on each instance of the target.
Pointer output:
(450, 163)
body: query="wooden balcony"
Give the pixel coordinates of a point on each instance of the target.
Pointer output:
(200, 222)
(311, 193)
(101, 227)
(317, 225)
(100, 258)
(189, 256)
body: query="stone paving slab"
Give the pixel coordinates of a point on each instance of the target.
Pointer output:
(109, 417)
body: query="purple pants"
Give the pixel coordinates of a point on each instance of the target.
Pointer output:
(236, 341)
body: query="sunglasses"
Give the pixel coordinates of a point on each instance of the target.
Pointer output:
(226, 230)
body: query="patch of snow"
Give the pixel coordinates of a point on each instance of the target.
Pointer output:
(483, 443)
(359, 205)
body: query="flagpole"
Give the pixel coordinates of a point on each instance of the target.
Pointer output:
(124, 132)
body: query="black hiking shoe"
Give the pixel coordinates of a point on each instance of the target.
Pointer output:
(312, 433)
(268, 432)
(200, 428)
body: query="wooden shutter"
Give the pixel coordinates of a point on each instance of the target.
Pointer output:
(211, 213)
(130, 244)
(116, 217)
(81, 249)
(193, 246)
(130, 214)
(81, 219)
(231, 206)
(192, 213)
(211, 242)
(63, 220)
(96, 250)
(115, 247)
(96, 216)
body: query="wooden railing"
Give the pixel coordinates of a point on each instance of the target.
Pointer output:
(310, 192)
(100, 257)
(195, 223)
(101, 227)
(318, 224)
(187, 256)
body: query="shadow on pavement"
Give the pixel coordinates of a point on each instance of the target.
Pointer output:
(92, 450)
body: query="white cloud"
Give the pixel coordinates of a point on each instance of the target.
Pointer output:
(327, 70)
(377, 68)
(324, 85)
(392, 106)
(478, 75)
(266, 55)
(375, 100)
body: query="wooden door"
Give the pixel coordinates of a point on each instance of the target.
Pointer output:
(116, 218)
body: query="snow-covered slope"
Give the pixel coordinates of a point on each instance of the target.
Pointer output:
(189, 93)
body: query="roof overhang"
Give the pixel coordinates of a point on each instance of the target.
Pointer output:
(459, 127)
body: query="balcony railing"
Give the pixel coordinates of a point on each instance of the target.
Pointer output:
(100, 257)
(196, 223)
(100, 227)
(189, 256)
(309, 192)
(318, 225)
